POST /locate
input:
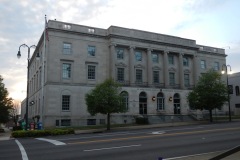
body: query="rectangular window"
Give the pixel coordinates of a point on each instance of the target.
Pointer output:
(65, 122)
(203, 64)
(155, 76)
(185, 61)
(67, 48)
(170, 59)
(91, 72)
(138, 56)
(66, 70)
(171, 79)
(65, 102)
(237, 105)
(120, 53)
(120, 74)
(91, 50)
(91, 121)
(216, 66)
(186, 80)
(138, 75)
(155, 58)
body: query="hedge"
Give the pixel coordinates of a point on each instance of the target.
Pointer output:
(41, 133)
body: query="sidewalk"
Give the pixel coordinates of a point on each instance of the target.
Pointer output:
(5, 135)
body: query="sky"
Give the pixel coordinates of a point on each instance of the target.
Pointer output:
(210, 22)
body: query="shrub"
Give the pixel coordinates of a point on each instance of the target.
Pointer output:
(41, 133)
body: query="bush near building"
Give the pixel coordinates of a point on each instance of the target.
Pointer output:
(41, 133)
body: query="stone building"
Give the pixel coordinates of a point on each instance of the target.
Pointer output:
(156, 72)
(234, 82)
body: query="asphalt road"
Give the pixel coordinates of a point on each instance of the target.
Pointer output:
(145, 144)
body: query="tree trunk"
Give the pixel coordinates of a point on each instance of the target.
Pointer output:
(108, 121)
(210, 115)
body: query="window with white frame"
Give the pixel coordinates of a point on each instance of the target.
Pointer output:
(172, 79)
(138, 56)
(120, 74)
(67, 48)
(203, 64)
(66, 70)
(120, 53)
(155, 76)
(91, 72)
(216, 66)
(170, 59)
(65, 122)
(155, 58)
(65, 102)
(91, 50)
(160, 102)
(186, 80)
(138, 75)
(185, 61)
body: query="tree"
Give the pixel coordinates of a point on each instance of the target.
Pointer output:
(14, 111)
(105, 99)
(209, 93)
(5, 103)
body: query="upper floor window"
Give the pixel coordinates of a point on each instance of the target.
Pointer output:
(138, 75)
(237, 90)
(67, 48)
(155, 76)
(138, 56)
(172, 79)
(155, 58)
(91, 72)
(65, 102)
(66, 70)
(186, 80)
(170, 59)
(185, 61)
(120, 53)
(120, 74)
(216, 66)
(91, 50)
(203, 64)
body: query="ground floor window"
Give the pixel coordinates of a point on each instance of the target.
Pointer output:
(91, 121)
(65, 122)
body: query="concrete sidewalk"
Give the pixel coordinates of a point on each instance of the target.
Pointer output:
(6, 135)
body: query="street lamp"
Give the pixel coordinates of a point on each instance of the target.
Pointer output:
(224, 69)
(28, 59)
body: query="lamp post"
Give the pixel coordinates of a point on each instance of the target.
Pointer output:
(225, 69)
(28, 59)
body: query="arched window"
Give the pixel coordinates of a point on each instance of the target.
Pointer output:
(237, 90)
(125, 98)
(160, 101)
(176, 103)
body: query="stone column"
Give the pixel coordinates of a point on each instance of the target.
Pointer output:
(112, 62)
(165, 65)
(181, 74)
(195, 69)
(131, 65)
(149, 67)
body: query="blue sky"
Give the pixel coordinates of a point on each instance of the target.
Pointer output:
(209, 22)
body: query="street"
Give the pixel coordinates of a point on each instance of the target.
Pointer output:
(144, 144)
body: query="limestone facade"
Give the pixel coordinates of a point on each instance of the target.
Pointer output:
(157, 71)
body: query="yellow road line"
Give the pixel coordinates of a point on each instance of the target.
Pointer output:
(151, 136)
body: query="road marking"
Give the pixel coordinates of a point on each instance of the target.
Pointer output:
(99, 149)
(158, 132)
(23, 152)
(152, 136)
(55, 142)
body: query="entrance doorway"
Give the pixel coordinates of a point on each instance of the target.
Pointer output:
(142, 103)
